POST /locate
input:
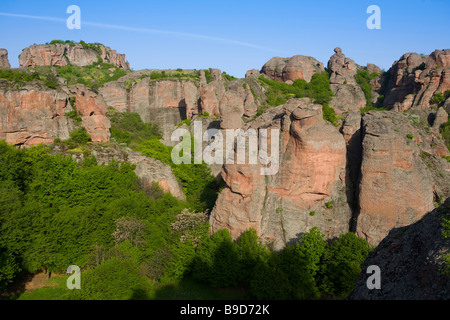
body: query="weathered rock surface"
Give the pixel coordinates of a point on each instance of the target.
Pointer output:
(210, 97)
(290, 69)
(163, 102)
(231, 110)
(93, 110)
(351, 131)
(4, 62)
(411, 262)
(440, 118)
(311, 173)
(347, 98)
(348, 95)
(167, 102)
(64, 54)
(398, 178)
(415, 79)
(33, 115)
(253, 73)
(342, 70)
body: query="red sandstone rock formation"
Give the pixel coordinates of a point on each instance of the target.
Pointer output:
(33, 115)
(93, 111)
(64, 54)
(415, 79)
(290, 69)
(311, 173)
(396, 188)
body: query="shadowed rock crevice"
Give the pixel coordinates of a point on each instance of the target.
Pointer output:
(352, 132)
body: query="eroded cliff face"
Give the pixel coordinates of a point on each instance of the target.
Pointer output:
(64, 54)
(167, 102)
(396, 185)
(33, 115)
(307, 191)
(415, 79)
(92, 110)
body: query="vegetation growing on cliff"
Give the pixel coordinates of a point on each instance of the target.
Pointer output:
(128, 127)
(93, 46)
(363, 78)
(93, 76)
(197, 181)
(20, 78)
(445, 131)
(279, 93)
(178, 74)
(318, 90)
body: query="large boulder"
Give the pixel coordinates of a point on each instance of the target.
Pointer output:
(342, 70)
(307, 191)
(64, 54)
(348, 95)
(347, 98)
(4, 62)
(290, 69)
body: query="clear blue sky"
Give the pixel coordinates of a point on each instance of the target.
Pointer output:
(234, 36)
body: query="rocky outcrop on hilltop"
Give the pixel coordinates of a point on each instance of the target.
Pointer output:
(4, 62)
(348, 95)
(411, 261)
(290, 69)
(415, 79)
(308, 190)
(342, 70)
(60, 54)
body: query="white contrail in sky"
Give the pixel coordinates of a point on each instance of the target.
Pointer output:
(142, 30)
